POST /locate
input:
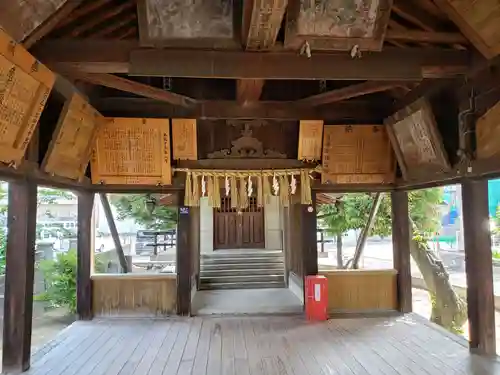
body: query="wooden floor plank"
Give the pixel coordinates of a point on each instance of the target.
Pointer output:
(258, 345)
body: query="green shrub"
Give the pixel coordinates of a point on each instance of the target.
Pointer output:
(60, 280)
(3, 246)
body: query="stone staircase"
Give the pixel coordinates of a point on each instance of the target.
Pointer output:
(242, 269)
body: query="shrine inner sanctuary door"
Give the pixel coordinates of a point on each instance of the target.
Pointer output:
(239, 229)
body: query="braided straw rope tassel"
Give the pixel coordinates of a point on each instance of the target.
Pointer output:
(188, 192)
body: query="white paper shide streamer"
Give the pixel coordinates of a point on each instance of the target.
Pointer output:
(227, 186)
(276, 185)
(203, 186)
(293, 185)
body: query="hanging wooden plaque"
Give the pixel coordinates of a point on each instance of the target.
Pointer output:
(310, 138)
(132, 151)
(25, 85)
(71, 146)
(357, 154)
(416, 141)
(184, 144)
(488, 133)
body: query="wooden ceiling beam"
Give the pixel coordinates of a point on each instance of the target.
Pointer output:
(124, 57)
(126, 33)
(82, 11)
(425, 37)
(349, 112)
(349, 92)
(101, 17)
(137, 88)
(261, 22)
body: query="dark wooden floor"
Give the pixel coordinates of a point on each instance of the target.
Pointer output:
(257, 346)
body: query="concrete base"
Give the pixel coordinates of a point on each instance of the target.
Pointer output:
(246, 301)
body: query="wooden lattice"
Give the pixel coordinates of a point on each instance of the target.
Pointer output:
(70, 149)
(357, 154)
(132, 151)
(25, 85)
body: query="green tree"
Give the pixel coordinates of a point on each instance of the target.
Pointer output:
(135, 206)
(449, 309)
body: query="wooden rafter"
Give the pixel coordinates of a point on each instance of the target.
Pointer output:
(415, 15)
(82, 11)
(349, 92)
(101, 17)
(50, 23)
(137, 88)
(127, 33)
(112, 27)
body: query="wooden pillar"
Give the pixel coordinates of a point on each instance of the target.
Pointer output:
(184, 258)
(478, 266)
(309, 241)
(401, 237)
(84, 255)
(19, 276)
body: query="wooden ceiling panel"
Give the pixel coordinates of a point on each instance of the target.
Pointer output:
(181, 22)
(337, 25)
(478, 20)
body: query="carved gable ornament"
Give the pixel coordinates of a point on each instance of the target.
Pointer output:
(337, 24)
(247, 146)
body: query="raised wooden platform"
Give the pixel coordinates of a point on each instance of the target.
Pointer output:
(258, 345)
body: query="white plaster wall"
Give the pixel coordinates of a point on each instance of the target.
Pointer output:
(206, 226)
(273, 224)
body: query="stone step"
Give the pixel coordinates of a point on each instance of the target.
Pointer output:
(248, 285)
(268, 260)
(239, 266)
(241, 272)
(243, 254)
(242, 278)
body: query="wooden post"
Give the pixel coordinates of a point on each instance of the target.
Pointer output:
(114, 232)
(19, 276)
(184, 261)
(309, 239)
(84, 254)
(478, 266)
(401, 238)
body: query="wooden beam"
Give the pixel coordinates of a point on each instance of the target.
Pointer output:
(417, 36)
(82, 11)
(124, 57)
(50, 23)
(137, 88)
(114, 232)
(184, 262)
(248, 90)
(223, 109)
(479, 267)
(308, 226)
(465, 27)
(84, 254)
(101, 17)
(112, 27)
(401, 237)
(19, 277)
(416, 15)
(349, 92)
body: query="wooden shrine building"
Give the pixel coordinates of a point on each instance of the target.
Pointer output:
(232, 106)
